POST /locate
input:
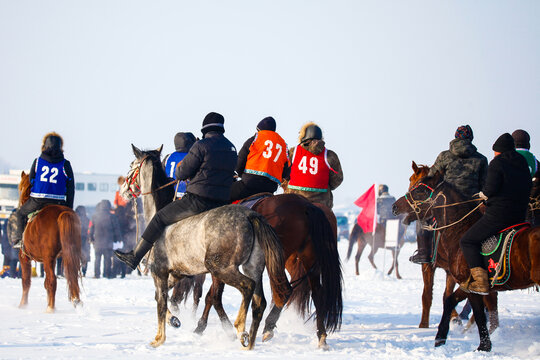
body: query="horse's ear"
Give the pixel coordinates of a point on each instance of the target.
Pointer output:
(136, 151)
(159, 149)
(23, 174)
(414, 167)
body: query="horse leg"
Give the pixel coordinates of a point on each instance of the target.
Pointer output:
(449, 289)
(203, 321)
(270, 323)
(477, 304)
(372, 255)
(428, 274)
(361, 245)
(444, 325)
(217, 296)
(393, 259)
(197, 292)
(398, 275)
(26, 277)
(316, 295)
(50, 282)
(491, 304)
(161, 285)
(258, 303)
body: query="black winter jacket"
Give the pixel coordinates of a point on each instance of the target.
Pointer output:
(507, 187)
(209, 167)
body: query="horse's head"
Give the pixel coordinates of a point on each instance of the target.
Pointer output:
(419, 172)
(417, 203)
(140, 174)
(24, 188)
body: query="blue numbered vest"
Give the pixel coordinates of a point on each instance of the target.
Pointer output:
(170, 166)
(50, 181)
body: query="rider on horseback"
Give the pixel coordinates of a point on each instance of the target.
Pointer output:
(523, 145)
(52, 182)
(209, 166)
(315, 170)
(262, 162)
(384, 205)
(464, 168)
(183, 141)
(507, 190)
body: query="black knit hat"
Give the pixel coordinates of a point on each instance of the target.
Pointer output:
(504, 143)
(268, 123)
(522, 139)
(183, 141)
(213, 122)
(464, 132)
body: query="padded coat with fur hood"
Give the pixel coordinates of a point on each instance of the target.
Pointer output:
(315, 147)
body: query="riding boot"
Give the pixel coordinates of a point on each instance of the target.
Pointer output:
(477, 283)
(18, 230)
(423, 254)
(133, 258)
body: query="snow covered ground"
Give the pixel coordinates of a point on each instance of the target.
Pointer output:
(380, 321)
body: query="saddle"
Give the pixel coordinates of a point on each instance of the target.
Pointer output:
(496, 252)
(32, 215)
(250, 201)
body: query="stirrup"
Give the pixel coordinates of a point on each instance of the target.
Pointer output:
(417, 259)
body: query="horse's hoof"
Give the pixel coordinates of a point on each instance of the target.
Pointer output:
(423, 326)
(77, 302)
(49, 310)
(440, 342)
(324, 347)
(244, 339)
(268, 335)
(174, 322)
(157, 343)
(484, 346)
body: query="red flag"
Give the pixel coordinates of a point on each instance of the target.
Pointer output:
(366, 218)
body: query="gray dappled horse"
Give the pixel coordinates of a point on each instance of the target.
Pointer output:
(217, 241)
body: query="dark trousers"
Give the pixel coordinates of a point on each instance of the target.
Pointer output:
(107, 262)
(471, 241)
(188, 205)
(241, 190)
(31, 205)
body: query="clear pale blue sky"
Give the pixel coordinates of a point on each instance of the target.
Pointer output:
(388, 81)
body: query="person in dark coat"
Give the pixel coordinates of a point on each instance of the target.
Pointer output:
(52, 181)
(464, 168)
(183, 141)
(262, 162)
(85, 243)
(104, 231)
(507, 190)
(11, 255)
(209, 167)
(384, 205)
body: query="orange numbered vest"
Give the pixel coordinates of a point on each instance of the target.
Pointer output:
(267, 156)
(309, 172)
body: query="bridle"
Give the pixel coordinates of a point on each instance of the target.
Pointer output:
(132, 179)
(415, 206)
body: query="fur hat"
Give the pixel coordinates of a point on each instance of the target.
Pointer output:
(304, 131)
(464, 132)
(268, 123)
(504, 143)
(52, 142)
(522, 139)
(213, 122)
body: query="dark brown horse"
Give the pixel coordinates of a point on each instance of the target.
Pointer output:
(432, 197)
(308, 238)
(376, 242)
(54, 231)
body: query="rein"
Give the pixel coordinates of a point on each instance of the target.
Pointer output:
(414, 204)
(534, 203)
(132, 177)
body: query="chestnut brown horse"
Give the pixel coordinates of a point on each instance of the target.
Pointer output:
(54, 231)
(308, 237)
(432, 197)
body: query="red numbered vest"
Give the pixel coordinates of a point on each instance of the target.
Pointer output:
(267, 156)
(309, 172)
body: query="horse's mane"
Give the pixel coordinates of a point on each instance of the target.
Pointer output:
(163, 196)
(24, 188)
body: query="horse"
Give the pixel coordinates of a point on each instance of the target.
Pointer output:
(54, 231)
(376, 241)
(432, 197)
(440, 261)
(533, 213)
(218, 241)
(308, 234)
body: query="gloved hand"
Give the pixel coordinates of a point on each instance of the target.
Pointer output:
(481, 196)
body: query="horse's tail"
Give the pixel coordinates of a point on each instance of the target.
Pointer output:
(70, 238)
(356, 231)
(324, 240)
(273, 255)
